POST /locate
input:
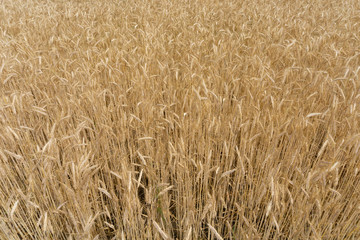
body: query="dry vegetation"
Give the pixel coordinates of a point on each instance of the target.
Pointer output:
(180, 119)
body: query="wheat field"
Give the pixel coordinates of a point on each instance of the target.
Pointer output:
(169, 119)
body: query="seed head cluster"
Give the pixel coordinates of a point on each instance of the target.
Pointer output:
(171, 119)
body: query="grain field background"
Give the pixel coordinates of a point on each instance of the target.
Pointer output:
(159, 119)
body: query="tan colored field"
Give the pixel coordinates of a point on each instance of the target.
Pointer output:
(178, 119)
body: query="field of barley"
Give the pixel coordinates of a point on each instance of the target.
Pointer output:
(179, 119)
